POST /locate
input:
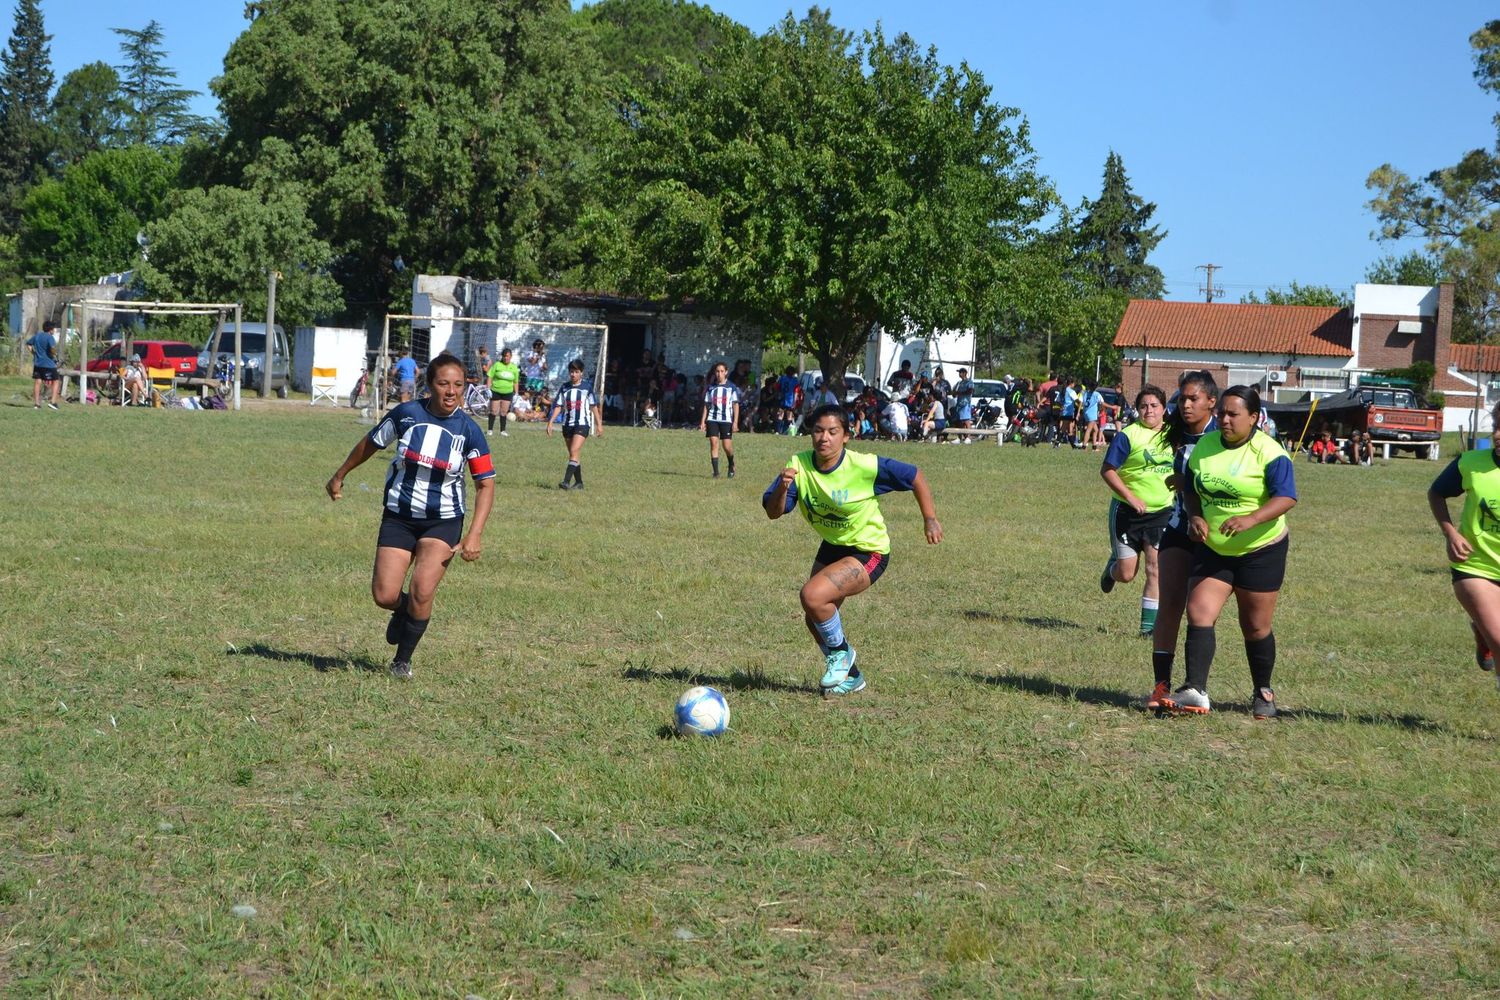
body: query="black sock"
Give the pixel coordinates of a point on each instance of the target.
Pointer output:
(411, 634)
(715, 463)
(1262, 656)
(398, 615)
(570, 472)
(1161, 664)
(492, 421)
(1200, 655)
(731, 462)
(504, 419)
(577, 468)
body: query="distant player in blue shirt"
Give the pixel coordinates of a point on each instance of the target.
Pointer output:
(405, 371)
(44, 365)
(578, 412)
(422, 526)
(787, 385)
(721, 414)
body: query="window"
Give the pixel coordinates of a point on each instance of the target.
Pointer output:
(1246, 376)
(179, 350)
(1325, 383)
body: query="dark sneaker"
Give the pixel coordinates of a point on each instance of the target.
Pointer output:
(1187, 701)
(1264, 704)
(401, 670)
(565, 485)
(731, 473)
(51, 406)
(1107, 578)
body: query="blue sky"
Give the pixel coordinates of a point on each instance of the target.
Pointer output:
(1251, 125)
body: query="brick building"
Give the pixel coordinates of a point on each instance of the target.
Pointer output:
(1293, 352)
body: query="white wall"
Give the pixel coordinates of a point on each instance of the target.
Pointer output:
(342, 348)
(951, 349)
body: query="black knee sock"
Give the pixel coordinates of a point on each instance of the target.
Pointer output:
(577, 468)
(398, 615)
(1262, 656)
(504, 419)
(492, 421)
(715, 463)
(731, 462)
(411, 634)
(1200, 655)
(1161, 664)
(571, 472)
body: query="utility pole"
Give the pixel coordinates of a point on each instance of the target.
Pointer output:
(1208, 290)
(265, 371)
(1049, 350)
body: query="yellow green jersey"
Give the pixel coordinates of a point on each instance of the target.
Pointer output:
(1476, 475)
(840, 503)
(1240, 480)
(1143, 458)
(503, 377)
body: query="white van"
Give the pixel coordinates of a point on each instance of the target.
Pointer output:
(253, 355)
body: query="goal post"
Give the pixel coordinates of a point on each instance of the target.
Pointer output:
(564, 342)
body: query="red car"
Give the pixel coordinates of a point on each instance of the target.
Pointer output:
(181, 357)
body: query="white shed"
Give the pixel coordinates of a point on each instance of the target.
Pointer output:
(340, 348)
(946, 349)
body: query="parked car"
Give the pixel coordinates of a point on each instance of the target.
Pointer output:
(252, 355)
(177, 355)
(853, 384)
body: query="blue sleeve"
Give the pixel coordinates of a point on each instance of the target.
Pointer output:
(892, 476)
(791, 495)
(1117, 452)
(1279, 478)
(1450, 482)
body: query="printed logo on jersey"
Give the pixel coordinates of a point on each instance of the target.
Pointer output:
(822, 511)
(1157, 463)
(1489, 523)
(1217, 491)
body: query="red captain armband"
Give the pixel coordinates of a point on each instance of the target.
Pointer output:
(481, 466)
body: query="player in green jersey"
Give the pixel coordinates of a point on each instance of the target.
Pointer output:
(1474, 544)
(1136, 466)
(503, 376)
(836, 492)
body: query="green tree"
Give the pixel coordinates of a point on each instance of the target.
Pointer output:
(218, 245)
(1301, 295)
(456, 134)
(638, 39)
(1456, 209)
(1411, 268)
(1115, 236)
(158, 110)
(84, 223)
(88, 113)
(816, 186)
(25, 84)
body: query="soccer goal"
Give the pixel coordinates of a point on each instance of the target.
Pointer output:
(90, 307)
(465, 335)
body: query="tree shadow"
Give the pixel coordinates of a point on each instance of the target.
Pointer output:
(317, 661)
(736, 680)
(1123, 699)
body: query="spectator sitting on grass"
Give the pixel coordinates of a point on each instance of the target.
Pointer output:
(1324, 450)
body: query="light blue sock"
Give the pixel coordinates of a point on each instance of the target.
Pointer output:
(831, 632)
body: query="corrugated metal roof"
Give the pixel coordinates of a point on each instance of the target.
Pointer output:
(1304, 331)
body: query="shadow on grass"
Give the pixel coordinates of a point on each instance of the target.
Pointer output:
(1123, 699)
(1031, 621)
(738, 680)
(317, 661)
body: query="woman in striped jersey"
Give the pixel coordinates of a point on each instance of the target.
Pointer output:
(580, 412)
(721, 414)
(422, 525)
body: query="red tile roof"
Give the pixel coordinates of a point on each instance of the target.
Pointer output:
(1472, 357)
(1311, 331)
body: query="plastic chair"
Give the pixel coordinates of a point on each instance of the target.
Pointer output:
(163, 386)
(324, 386)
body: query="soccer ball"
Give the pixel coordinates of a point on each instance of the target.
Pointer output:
(701, 711)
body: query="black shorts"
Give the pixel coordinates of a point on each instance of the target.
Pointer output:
(719, 429)
(1176, 538)
(1459, 574)
(1261, 571)
(501, 397)
(1131, 533)
(577, 430)
(44, 374)
(399, 532)
(874, 563)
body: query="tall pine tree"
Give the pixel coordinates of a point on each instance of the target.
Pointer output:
(157, 112)
(1115, 236)
(25, 85)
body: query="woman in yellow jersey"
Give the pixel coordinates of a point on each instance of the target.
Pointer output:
(503, 376)
(1136, 466)
(1474, 544)
(836, 491)
(1242, 488)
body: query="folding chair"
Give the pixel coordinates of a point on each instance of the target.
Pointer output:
(130, 393)
(324, 382)
(163, 386)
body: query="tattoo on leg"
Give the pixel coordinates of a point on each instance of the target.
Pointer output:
(843, 576)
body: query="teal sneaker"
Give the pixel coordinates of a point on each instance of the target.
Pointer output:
(854, 682)
(840, 662)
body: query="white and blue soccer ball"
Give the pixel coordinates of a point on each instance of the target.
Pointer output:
(701, 711)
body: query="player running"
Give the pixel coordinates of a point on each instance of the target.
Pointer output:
(1242, 488)
(580, 413)
(503, 377)
(1474, 544)
(1197, 397)
(836, 491)
(721, 414)
(422, 525)
(1136, 467)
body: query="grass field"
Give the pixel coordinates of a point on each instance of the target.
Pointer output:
(195, 717)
